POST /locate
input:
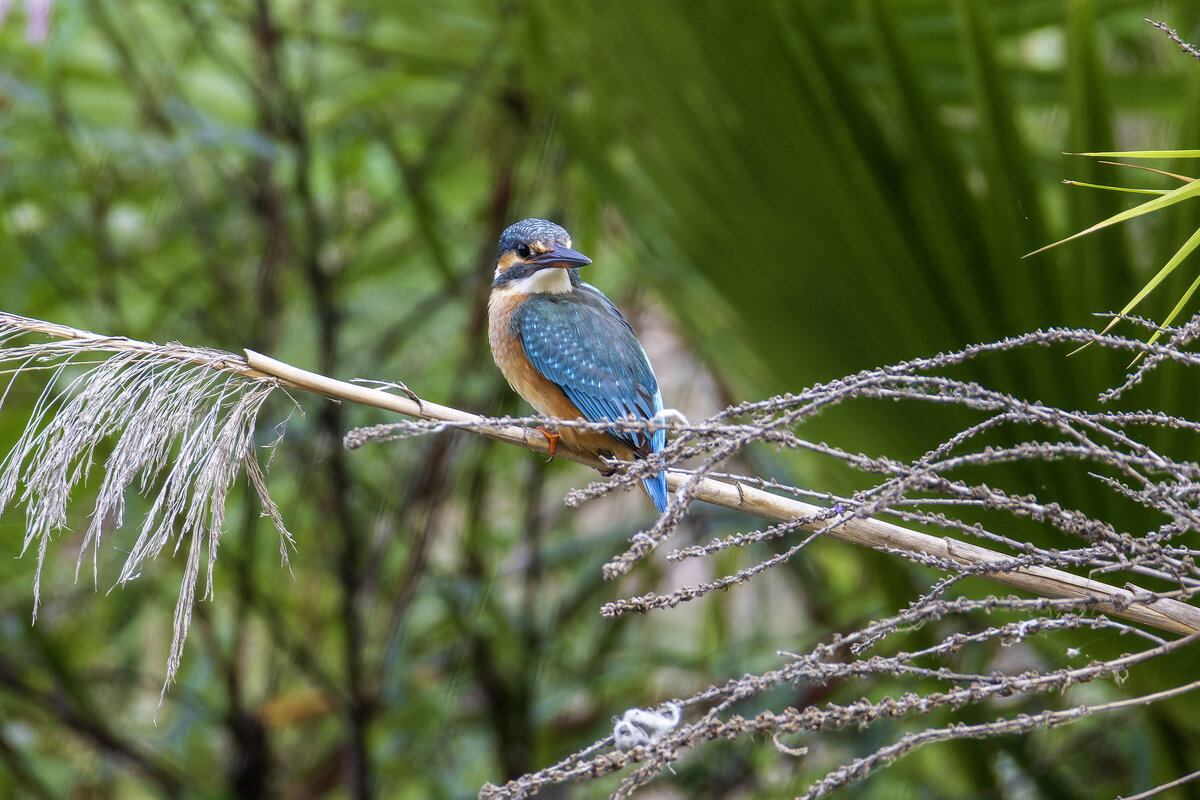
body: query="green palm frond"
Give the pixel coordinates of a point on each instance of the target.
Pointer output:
(1164, 199)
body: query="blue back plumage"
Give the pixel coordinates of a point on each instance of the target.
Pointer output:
(582, 343)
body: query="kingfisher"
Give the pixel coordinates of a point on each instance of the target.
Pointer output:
(568, 350)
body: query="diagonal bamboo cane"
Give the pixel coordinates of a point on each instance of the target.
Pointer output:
(1127, 602)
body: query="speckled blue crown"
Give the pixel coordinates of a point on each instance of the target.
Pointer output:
(532, 230)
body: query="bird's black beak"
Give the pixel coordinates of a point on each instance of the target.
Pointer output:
(560, 256)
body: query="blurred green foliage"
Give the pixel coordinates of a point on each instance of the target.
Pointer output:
(794, 190)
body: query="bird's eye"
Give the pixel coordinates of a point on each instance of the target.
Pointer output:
(523, 250)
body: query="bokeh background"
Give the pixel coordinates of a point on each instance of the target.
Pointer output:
(777, 193)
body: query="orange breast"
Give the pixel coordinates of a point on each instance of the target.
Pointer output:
(510, 356)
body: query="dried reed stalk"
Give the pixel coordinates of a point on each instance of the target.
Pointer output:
(1162, 613)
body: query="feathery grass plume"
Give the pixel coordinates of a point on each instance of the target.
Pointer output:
(181, 422)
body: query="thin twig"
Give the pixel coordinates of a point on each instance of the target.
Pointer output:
(1174, 37)
(1180, 781)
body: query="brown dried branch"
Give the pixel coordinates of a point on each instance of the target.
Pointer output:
(1025, 723)
(1105, 444)
(818, 667)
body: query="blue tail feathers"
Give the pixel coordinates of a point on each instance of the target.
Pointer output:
(656, 487)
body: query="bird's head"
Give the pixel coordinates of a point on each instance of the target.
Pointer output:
(534, 256)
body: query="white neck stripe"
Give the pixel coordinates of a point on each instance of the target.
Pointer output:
(551, 280)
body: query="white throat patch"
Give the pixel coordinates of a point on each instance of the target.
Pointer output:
(551, 280)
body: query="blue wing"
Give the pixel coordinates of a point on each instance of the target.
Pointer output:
(580, 342)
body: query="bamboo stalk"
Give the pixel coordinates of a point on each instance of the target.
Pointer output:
(1163, 613)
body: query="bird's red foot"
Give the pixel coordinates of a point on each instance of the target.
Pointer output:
(552, 438)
